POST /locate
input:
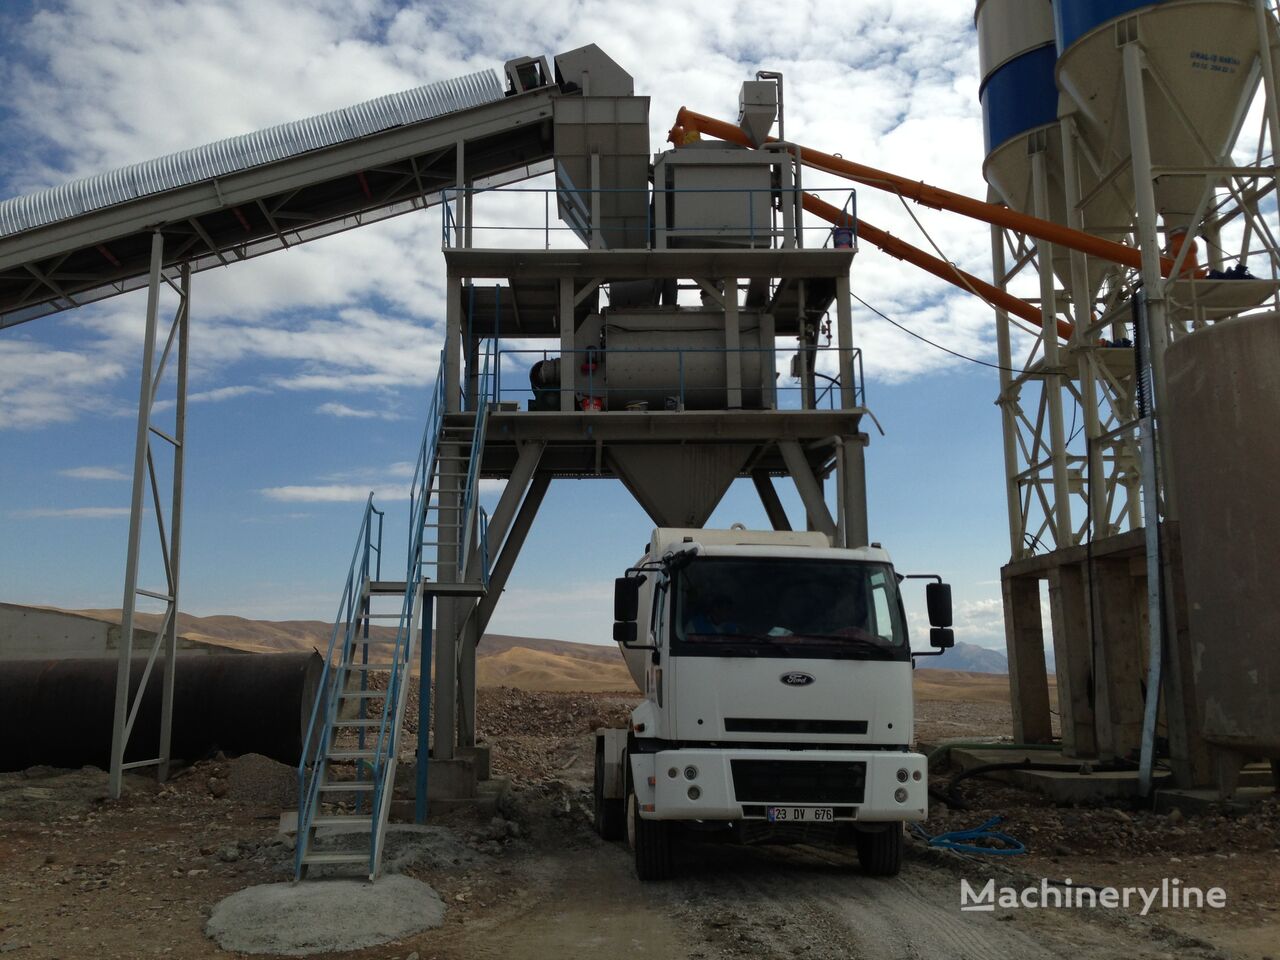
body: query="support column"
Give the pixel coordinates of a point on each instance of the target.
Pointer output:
(472, 631)
(852, 477)
(732, 345)
(1069, 607)
(568, 359)
(1119, 668)
(511, 549)
(1082, 303)
(769, 499)
(1007, 402)
(1149, 244)
(1024, 642)
(175, 528)
(452, 345)
(844, 330)
(809, 488)
(169, 536)
(1051, 382)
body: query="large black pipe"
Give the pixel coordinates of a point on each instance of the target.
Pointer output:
(60, 712)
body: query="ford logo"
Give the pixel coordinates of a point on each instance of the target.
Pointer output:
(796, 679)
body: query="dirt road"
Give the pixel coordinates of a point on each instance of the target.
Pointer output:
(775, 902)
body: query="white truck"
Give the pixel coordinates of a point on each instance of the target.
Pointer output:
(776, 673)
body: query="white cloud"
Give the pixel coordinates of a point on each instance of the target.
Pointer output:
(40, 385)
(94, 473)
(326, 493)
(342, 410)
(71, 513)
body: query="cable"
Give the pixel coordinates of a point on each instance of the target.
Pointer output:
(936, 346)
(968, 841)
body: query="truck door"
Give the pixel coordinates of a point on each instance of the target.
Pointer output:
(654, 673)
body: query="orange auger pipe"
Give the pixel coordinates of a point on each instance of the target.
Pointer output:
(939, 268)
(930, 196)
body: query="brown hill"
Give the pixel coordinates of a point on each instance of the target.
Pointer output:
(527, 663)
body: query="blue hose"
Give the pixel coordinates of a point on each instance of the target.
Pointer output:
(962, 840)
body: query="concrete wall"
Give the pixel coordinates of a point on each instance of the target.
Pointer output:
(33, 633)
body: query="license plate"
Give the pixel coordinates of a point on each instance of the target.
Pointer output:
(800, 814)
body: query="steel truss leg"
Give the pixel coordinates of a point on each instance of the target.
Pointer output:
(170, 538)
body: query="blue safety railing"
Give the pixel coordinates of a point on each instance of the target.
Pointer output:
(387, 745)
(471, 498)
(592, 387)
(759, 228)
(365, 562)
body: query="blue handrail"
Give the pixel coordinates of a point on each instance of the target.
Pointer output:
(419, 497)
(470, 497)
(315, 745)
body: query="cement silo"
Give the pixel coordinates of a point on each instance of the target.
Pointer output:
(1018, 58)
(1194, 74)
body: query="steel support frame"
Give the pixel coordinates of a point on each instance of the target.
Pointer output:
(170, 534)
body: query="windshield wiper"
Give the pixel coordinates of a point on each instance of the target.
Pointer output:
(860, 643)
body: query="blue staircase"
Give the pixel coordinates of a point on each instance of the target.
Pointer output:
(346, 775)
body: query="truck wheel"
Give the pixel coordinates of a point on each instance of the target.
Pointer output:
(651, 841)
(608, 812)
(880, 853)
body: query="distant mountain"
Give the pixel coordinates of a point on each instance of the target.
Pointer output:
(968, 657)
(967, 671)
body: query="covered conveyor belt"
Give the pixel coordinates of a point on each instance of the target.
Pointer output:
(265, 191)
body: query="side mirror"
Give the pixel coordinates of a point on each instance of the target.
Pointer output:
(624, 632)
(942, 638)
(626, 599)
(938, 599)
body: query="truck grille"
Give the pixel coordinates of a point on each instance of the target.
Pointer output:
(778, 725)
(798, 781)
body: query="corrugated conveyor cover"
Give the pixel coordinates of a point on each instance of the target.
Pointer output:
(248, 150)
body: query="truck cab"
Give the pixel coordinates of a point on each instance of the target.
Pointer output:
(776, 672)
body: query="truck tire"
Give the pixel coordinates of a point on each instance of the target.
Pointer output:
(652, 842)
(609, 813)
(880, 853)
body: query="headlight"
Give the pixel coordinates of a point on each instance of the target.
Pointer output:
(903, 775)
(691, 773)
(900, 794)
(694, 793)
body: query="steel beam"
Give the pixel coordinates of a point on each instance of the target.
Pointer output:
(769, 499)
(511, 549)
(809, 488)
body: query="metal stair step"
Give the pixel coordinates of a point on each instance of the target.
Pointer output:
(351, 754)
(340, 820)
(369, 666)
(346, 786)
(367, 722)
(334, 857)
(363, 695)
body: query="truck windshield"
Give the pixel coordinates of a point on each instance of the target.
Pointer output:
(790, 604)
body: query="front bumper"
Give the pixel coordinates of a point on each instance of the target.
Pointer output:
(722, 794)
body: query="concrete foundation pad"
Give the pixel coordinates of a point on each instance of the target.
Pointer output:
(485, 803)
(323, 916)
(1193, 802)
(479, 757)
(446, 779)
(1073, 782)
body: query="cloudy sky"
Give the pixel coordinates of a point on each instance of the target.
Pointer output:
(311, 368)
